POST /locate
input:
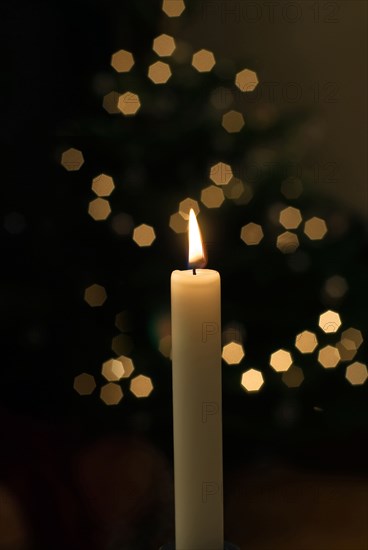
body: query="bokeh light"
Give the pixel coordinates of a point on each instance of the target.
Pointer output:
(84, 383)
(306, 341)
(144, 235)
(251, 233)
(178, 224)
(129, 103)
(233, 353)
(212, 196)
(164, 45)
(346, 351)
(203, 61)
(122, 223)
(329, 357)
(112, 370)
(329, 321)
(353, 335)
(293, 377)
(110, 102)
(122, 321)
(159, 72)
(336, 286)
(173, 8)
(292, 188)
(103, 185)
(128, 365)
(315, 228)
(72, 159)
(290, 217)
(99, 209)
(281, 360)
(122, 344)
(287, 242)
(233, 121)
(111, 394)
(95, 295)
(252, 380)
(164, 346)
(186, 205)
(141, 386)
(356, 373)
(246, 80)
(221, 173)
(122, 61)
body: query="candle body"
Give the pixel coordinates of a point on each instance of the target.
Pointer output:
(196, 359)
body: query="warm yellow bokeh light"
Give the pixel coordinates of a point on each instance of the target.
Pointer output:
(246, 80)
(233, 121)
(112, 370)
(84, 383)
(287, 242)
(103, 185)
(329, 357)
(164, 346)
(196, 253)
(99, 209)
(203, 61)
(293, 377)
(121, 344)
(127, 364)
(185, 206)
(141, 386)
(281, 360)
(290, 217)
(336, 286)
(221, 173)
(178, 224)
(329, 321)
(252, 380)
(122, 321)
(129, 103)
(173, 8)
(111, 394)
(72, 159)
(144, 235)
(346, 351)
(354, 335)
(122, 224)
(315, 228)
(110, 103)
(233, 353)
(251, 233)
(212, 196)
(356, 373)
(95, 295)
(122, 61)
(164, 45)
(292, 188)
(159, 72)
(306, 341)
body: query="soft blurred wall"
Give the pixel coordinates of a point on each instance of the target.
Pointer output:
(315, 54)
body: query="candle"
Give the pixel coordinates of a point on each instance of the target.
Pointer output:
(196, 359)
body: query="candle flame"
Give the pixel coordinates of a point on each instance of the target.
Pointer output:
(196, 253)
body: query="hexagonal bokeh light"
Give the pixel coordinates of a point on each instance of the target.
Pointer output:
(251, 233)
(99, 209)
(159, 72)
(203, 61)
(336, 286)
(346, 350)
(353, 335)
(111, 394)
(246, 80)
(356, 373)
(329, 357)
(212, 196)
(141, 386)
(293, 377)
(110, 102)
(329, 321)
(164, 45)
(281, 360)
(122, 223)
(290, 217)
(306, 341)
(233, 121)
(252, 380)
(315, 228)
(128, 365)
(173, 8)
(233, 353)
(95, 295)
(112, 370)
(144, 235)
(84, 383)
(177, 223)
(103, 185)
(221, 173)
(129, 103)
(287, 242)
(72, 159)
(122, 61)
(185, 206)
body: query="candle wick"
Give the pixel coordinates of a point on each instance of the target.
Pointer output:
(194, 271)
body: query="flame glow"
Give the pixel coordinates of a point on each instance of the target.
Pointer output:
(196, 254)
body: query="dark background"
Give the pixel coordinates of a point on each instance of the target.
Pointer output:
(76, 473)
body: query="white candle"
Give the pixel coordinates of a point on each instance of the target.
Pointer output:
(196, 359)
